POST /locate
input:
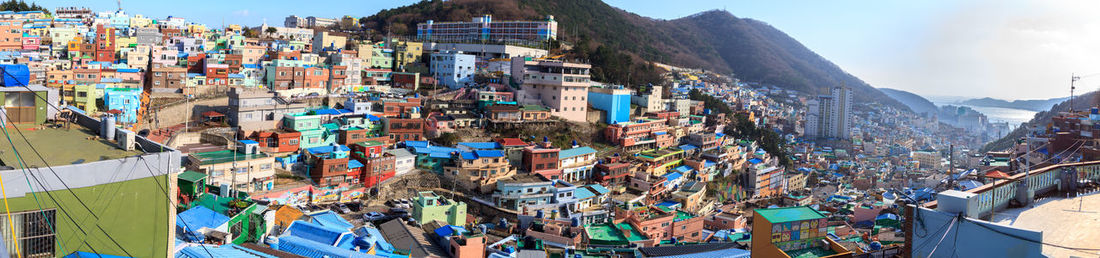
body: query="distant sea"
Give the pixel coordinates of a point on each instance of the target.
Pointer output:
(1013, 116)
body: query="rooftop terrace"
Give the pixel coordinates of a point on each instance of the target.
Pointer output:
(59, 147)
(789, 214)
(223, 156)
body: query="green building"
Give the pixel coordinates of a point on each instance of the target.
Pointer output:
(428, 207)
(94, 194)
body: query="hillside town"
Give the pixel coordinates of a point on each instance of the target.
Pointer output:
(135, 136)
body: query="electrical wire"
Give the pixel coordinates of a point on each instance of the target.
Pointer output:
(166, 195)
(35, 150)
(23, 167)
(950, 225)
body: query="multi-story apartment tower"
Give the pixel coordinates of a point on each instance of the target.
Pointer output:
(830, 116)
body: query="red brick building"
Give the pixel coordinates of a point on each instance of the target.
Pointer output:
(104, 44)
(542, 159)
(277, 141)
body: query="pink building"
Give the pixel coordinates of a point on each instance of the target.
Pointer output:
(561, 86)
(31, 42)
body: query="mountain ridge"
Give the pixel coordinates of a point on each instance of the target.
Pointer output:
(916, 102)
(620, 44)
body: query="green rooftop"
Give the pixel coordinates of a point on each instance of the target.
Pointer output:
(789, 214)
(223, 156)
(59, 147)
(634, 234)
(810, 253)
(369, 143)
(191, 176)
(216, 203)
(683, 215)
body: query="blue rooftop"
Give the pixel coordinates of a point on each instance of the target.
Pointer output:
(331, 220)
(583, 193)
(481, 145)
(354, 164)
(200, 217)
(481, 154)
(316, 233)
(688, 147)
(673, 176)
(414, 144)
(303, 247)
(599, 188)
(755, 161)
(327, 149)
(576, 152)
(327, 111)
(683, 169)
(249, 142)
(229, 250)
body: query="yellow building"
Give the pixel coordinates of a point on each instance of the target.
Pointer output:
(406, 52)
(792, 232)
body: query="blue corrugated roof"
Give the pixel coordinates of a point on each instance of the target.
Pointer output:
(300, 246)
(659, 133)
(327, 149)
(200, 217)
(249, 142)
(91, 255)
(755, 161)
(599, 188)
(331, 220)
(673, 176)
(414, 144)
(481, 145)
(576, 152)
(315, 232)
(688, 147)
(327, 111)
(229, 250)
(354, 164)
(683, 169)
(481, 154)
(583, 193)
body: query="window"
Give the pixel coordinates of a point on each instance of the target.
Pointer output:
(235, 230)
(34, 232)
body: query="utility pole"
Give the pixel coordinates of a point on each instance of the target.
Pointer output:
(1072, 79)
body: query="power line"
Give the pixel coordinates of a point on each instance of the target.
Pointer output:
(70, 190)
(50, 195)
(166, 195)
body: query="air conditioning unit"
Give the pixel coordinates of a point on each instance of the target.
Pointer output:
(127, 139)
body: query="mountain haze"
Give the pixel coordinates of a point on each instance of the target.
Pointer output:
(915, 102)
(1031, 104)
(619, 44)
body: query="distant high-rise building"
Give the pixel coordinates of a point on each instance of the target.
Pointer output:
(294, 21)
(485, 29)
(830, 116)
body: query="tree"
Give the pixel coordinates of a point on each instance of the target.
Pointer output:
(271, 30)
(447, 139)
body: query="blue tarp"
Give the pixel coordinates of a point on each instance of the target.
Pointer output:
(15, 75)
(200, 217)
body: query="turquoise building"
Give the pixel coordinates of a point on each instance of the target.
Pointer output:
(614, 100)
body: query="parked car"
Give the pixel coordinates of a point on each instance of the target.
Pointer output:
(399, 211)
(373, 216)
(342, 209)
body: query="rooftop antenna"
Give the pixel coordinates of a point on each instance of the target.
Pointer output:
(119, 2)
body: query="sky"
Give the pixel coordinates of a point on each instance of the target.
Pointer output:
(1009, 49)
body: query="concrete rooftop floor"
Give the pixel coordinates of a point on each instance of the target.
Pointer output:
(1061, 222)
(58, 146)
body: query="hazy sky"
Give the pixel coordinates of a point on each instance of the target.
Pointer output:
(1015, 49)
